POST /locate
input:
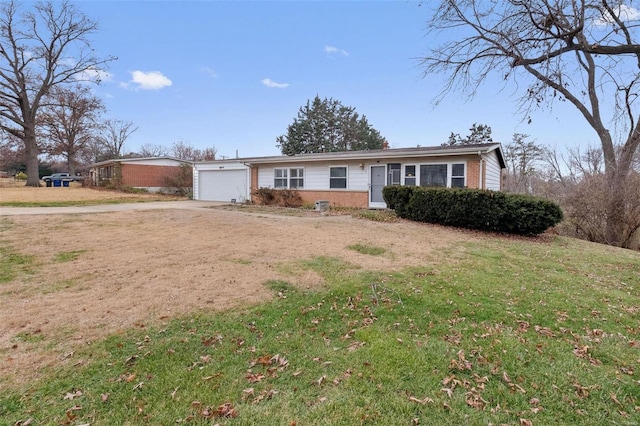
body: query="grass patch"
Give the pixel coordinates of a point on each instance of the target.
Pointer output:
(502, 332)
(13, 263)
(280, 287)
(29, 337)
(367, 249)
(68, 256)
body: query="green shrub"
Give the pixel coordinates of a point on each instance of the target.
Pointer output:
(397, 197)
(474, 209)
(21, 176)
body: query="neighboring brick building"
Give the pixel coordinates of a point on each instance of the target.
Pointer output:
(148, 173)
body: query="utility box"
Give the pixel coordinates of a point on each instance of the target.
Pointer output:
(322, 206)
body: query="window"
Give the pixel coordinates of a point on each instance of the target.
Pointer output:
(457, 176)
(288, 178)
(297, 178)
(410, 175)
(433, 175)
(338, 177)
(442, 175)
(393, 174)
(280, 179)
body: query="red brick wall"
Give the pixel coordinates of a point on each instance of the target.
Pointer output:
(254, 180)
(337, 198)
(473, 173)
(145, 176)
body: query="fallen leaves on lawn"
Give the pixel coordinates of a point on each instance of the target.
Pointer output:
(254, 377)
(422, 401)
(225, 410)
(72, 395)
(583, 391)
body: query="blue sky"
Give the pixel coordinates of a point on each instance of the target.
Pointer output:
(233, 74)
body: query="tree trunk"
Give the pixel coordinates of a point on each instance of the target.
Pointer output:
(32, 151)
(614, 231)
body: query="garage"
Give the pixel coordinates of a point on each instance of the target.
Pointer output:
(223, 184)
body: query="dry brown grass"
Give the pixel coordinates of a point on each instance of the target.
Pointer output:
(143, 267)
(12, 191)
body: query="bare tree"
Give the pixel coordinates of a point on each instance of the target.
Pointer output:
(521, 156)
(114, 134)
(11, 153)
(580, 51)
(69, 122)
(39, 50)
(152, 150)
(185, 151)
(95, 151)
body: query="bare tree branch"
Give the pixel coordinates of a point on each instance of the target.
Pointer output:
(582, 51)
(44, 47)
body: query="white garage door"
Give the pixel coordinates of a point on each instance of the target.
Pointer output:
(223, 185)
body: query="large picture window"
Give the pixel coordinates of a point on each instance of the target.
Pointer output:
(338, 177)
(442, 175)
(288, 178)
(433, 175)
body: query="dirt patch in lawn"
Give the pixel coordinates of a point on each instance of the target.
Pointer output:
(101, 273)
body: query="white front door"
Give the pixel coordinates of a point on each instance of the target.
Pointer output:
(377, 182)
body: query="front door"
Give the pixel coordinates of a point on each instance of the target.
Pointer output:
(378, 181)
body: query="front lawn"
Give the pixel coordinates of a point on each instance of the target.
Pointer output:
(501, 331)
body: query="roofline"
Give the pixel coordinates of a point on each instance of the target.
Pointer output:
(134, 159)
(432, 151)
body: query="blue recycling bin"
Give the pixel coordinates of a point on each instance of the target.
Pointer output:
(57, 183)
(65, 183)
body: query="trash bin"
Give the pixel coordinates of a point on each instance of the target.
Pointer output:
(65, 183)
(57, 182)
(48, 183)
(322, 206)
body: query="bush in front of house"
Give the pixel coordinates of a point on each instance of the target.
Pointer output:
(180, 182)
(397, 198)
(277, 197)
(474, 209)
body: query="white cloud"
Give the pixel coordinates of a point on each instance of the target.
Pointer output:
(210, 71)
(152, 80)
(624, 12)
(332, 50)
(270, 83)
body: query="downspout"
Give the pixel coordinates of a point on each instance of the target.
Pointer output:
(480, 171)
(250, 183)
(195, 190)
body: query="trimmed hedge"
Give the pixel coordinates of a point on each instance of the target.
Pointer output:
(474, 209)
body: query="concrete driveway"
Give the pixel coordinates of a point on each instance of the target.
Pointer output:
(105, 208)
